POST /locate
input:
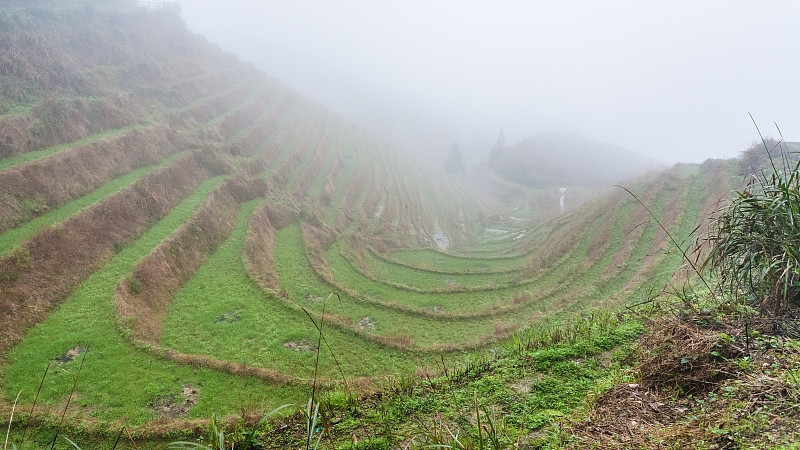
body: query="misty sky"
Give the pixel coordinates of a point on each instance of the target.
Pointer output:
(671, 79)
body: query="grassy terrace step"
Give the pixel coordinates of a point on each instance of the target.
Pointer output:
(44, 153)
(89, 151)
(304, 288)
(273, 139)
(692, 213)
(50, 266)
(46, 123)
(552, 299)
(7, 163)
(207, 99)
(144, 297)
(270, 145)
(382, 269)
(615, 234)
(311, 150)
(437, 261)
(534, 237)
(351, 161)
(618, 284)
(189, 90)
(252, 98)
(275, 104)
(448, 303)
(330, 148)
(548, 305)
(303, 130)
(427, 199)
(343, 150)
(261, 141)
(347, 209)
(222, 312)
(118, 381)
(16, 236)
(569, 270)
(71, 162)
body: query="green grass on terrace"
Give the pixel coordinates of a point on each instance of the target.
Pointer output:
(398, 274)
(335, 149)
(258, 121)
(12, 238)
(252, 98)
(446, 302)
(40, 154)
(311, 150)
(290, 147)
(352, 163)
(118, 381)
(205, 99)
(304, 287)
(221, 312)
(436, 261)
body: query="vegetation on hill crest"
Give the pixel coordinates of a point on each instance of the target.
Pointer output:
(565, 160)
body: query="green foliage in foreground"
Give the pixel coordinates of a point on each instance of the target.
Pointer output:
(755, 251)
(516, 390)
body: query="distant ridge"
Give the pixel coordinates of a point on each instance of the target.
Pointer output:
(556, 159)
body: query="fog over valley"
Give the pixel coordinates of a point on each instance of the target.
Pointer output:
(671, 80)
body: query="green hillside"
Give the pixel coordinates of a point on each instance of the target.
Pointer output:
(173, 223)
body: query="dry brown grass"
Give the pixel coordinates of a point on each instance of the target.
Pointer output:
(632, 233)
(49, 266)
(682, 356)
(560, 243)
(691, 391)
(668, 218)
(64, 176)
(243, 370)
(57, 121)
(601, 241)
(259, 247)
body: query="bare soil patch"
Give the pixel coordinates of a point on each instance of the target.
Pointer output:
(177, 404)
(450, 282)
(365, 323)
(229, 317)
(311, 298)
(70, 354)
(301, 346)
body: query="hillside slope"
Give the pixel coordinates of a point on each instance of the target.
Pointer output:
(179, 219)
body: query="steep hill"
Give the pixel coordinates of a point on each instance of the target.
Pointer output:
(178, 220)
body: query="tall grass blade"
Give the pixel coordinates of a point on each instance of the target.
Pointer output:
(69, 399)
(70, 441)
(33, 406)
(669, 235)
(8, 433)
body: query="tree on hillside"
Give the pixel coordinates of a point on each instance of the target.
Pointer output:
(497, 149)
(454, 165)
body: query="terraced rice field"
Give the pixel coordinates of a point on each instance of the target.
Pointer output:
(192, 245)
